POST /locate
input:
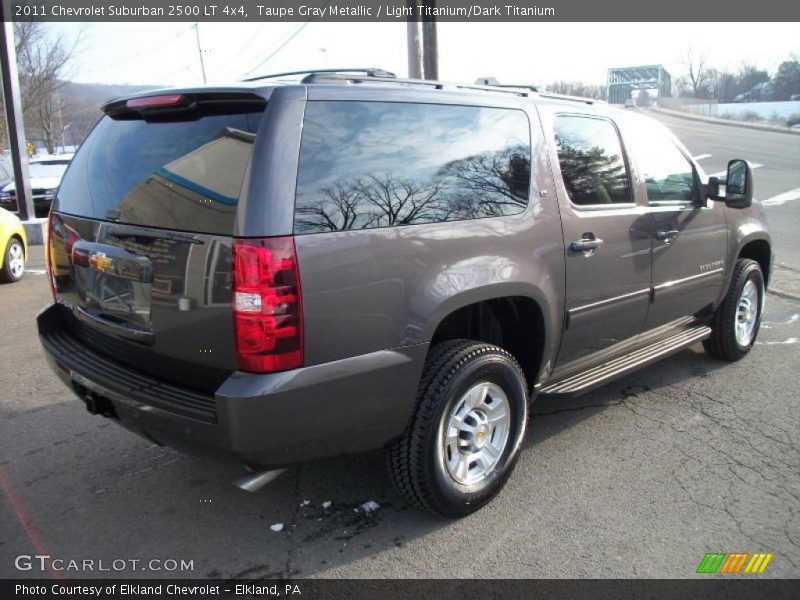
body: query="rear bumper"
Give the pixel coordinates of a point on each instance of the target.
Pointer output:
(347, 406)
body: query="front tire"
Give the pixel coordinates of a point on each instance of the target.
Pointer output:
(13, 262)
(465, 436)
(737, 320)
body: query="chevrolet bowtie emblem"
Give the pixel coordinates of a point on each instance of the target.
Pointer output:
(99, 261)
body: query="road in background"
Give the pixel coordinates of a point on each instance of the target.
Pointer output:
(638, 479)
(777, 182)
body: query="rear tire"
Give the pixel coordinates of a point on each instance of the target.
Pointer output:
(464, 438)
(13, 262)
(737, 320)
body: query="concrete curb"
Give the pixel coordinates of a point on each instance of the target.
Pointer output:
(784, 295)
(730, 122)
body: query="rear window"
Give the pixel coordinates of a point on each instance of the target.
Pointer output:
(184, 175)
(591, 161)
(380, 164)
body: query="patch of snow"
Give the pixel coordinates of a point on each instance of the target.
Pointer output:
(327, 504)
(370, 506)
(276, 527)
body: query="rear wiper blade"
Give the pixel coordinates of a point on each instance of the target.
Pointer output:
(121, 232)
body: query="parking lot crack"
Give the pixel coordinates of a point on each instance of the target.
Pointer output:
(289, 570)
(577, 408)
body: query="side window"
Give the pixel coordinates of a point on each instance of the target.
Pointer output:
(381, 164)
(591, 161)
(667, 173)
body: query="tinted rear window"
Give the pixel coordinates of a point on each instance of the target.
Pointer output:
(381, 164)
(183, 175)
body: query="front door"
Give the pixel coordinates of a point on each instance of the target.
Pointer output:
(607, 240)
(689, 236)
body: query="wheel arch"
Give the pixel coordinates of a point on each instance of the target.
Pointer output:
(759, 250)
(22, 241)
(513, 318)
(14, 236)
(4, 250)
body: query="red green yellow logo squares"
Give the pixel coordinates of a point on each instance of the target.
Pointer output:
(734, 562)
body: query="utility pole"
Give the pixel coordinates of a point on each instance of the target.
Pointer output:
(60, 114)
(430, 44)
(200, 50)
(16, 128)
(414, 42)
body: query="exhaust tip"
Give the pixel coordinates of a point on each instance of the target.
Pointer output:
(255, 481)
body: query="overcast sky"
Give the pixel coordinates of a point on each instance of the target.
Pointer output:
(166, 53)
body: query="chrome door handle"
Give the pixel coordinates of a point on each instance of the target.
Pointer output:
(663, 234)
(584, 244)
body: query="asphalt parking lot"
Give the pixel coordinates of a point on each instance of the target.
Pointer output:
(638, 479)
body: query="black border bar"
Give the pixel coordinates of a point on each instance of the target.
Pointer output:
(711, 587)
(477, 11)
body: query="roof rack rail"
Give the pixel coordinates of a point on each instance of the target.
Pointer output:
(368, 71)
(377, 75)
(517, 90)
(582, 99)
(337, 76)
(492, 82)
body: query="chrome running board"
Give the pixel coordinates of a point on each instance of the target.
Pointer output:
(587, 380)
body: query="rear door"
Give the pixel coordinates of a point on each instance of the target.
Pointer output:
(142, 236)
(607, 242)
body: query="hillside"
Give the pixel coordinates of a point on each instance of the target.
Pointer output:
(81, 106)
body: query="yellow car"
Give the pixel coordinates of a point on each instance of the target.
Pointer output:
(14, 247)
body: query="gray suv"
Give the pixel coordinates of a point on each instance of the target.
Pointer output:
(286, 269)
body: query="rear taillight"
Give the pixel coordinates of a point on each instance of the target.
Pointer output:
(268, 315)
(61, 238)
(48, 258)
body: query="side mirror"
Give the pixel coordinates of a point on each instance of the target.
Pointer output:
(738, 184)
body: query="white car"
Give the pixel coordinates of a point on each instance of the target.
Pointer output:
(45, 175)
(53, 159)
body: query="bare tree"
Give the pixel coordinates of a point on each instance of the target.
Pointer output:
(43, 63)
(373, 201)
(643, 98)
(338, 212)
(398, 201)
(483, 185)
(491, 183)
(698, 71)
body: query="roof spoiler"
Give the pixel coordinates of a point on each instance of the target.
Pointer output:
(168, 106)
